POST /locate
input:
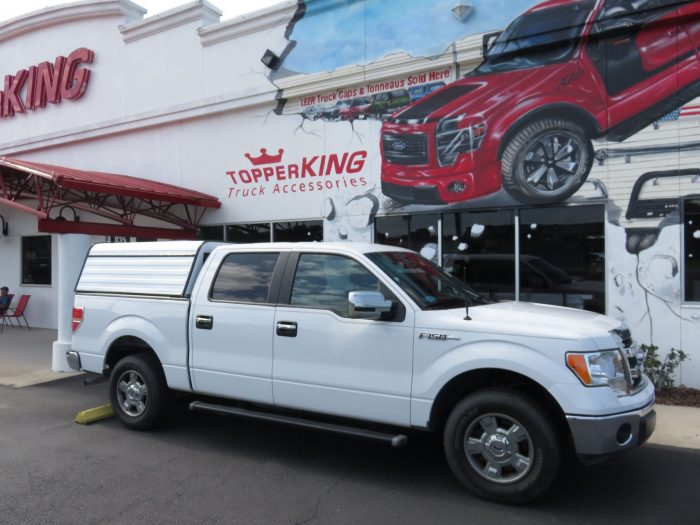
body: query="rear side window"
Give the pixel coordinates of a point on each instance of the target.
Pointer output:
(244, 277)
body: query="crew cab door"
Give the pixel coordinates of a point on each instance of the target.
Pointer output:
(231, 325)
(637, 47)
(324, 360)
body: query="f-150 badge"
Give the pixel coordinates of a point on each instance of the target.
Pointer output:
(438, 337)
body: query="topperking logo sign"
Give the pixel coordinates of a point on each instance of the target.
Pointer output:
(267, 174)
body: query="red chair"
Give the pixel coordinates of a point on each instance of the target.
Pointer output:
(17, 313)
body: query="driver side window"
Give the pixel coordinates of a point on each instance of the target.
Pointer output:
(324, 281)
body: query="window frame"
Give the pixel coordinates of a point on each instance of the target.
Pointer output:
(22, 260)
(285, 295)
(684, 300)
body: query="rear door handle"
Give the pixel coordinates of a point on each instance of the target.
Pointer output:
(204, 322)
(287, 328)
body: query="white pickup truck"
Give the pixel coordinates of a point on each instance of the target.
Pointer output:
(361, 339)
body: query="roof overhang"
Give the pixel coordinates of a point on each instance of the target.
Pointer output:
(45, 191)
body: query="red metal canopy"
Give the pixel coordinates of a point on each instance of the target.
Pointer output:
(45, 190)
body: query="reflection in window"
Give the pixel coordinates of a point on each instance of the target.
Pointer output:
(324, 281)
(478, 248)
(245, 277)
(36, 260)
(691, 255)
(416, 232)
(248, 233)
(300, 231)
(562, 256)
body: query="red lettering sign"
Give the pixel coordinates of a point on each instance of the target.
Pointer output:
(33, 88)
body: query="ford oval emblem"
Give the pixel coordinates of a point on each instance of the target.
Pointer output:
(398, 145)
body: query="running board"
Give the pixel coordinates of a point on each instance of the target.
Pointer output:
(395, 440)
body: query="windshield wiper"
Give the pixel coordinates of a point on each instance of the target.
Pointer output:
(446, 303)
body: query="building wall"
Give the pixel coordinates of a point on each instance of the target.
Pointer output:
(184, 99)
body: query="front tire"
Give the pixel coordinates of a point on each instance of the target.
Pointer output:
(137, 391)
(547, 161)
(501, 445)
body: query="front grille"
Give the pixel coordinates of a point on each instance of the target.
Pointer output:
(635, 357)
(406, 149)
(412, 194)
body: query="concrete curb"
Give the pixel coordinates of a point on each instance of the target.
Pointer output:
(676, 427)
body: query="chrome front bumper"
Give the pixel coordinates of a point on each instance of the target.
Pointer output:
(73, 359)
(594, 436)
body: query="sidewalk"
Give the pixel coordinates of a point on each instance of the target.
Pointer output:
(25, 357)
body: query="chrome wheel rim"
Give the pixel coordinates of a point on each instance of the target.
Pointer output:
(552, 162)
(132, 393)
(499, 448)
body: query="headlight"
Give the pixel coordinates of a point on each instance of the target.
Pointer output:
(608, 368)
(452, 139)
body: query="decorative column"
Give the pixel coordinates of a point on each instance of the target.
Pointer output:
(72, 249)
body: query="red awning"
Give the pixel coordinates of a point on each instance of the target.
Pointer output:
(45, 190)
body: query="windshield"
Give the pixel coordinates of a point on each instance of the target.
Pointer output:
(538, 38)
(426, 283)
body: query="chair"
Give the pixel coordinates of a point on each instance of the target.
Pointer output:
(17, 313)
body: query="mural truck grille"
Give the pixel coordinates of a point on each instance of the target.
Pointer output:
(408, 150)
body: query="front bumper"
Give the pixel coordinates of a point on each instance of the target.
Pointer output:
(601, 435)
(73, 359)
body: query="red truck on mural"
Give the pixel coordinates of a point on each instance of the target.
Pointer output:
(563, 73)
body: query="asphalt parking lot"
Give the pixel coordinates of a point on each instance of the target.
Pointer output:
(200, 468)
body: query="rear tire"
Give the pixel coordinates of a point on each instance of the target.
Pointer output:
(138, 392)
(501, 445)
(547, 161)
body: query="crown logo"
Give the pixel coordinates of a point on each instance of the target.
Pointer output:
(264, 158)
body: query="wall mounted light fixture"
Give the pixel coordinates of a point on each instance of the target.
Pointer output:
(270, 59)
(76, 217)
(462, 11)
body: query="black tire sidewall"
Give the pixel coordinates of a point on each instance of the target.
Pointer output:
(545, 438)
(514, 178)
(147, 367)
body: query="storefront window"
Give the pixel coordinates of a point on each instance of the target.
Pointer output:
(479, 247)
(417, 232)
(211, 233)
(691, 256)
(300, 231)
(562, 256)
(36, 260)
(248, 233)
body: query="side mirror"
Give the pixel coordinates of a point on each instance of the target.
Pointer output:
(368, 305)
(487, 41)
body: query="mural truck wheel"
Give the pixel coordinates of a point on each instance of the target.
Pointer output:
(546, 161)
(502, 445)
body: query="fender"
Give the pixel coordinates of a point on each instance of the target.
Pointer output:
(512, 357)
(169, 348)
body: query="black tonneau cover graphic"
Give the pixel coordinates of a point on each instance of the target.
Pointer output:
(439, 99)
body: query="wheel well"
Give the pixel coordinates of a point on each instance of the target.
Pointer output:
(579, 116)
(124, 346)
(464, 384)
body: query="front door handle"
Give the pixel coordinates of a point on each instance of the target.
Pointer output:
(204, 322)
(287, 328)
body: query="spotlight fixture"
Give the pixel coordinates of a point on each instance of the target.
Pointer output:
(270, 59)
(462, 11)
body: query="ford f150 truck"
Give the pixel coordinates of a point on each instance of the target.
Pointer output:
(563, 73)
(362, 339)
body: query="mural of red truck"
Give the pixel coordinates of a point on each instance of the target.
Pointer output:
(563, 73)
